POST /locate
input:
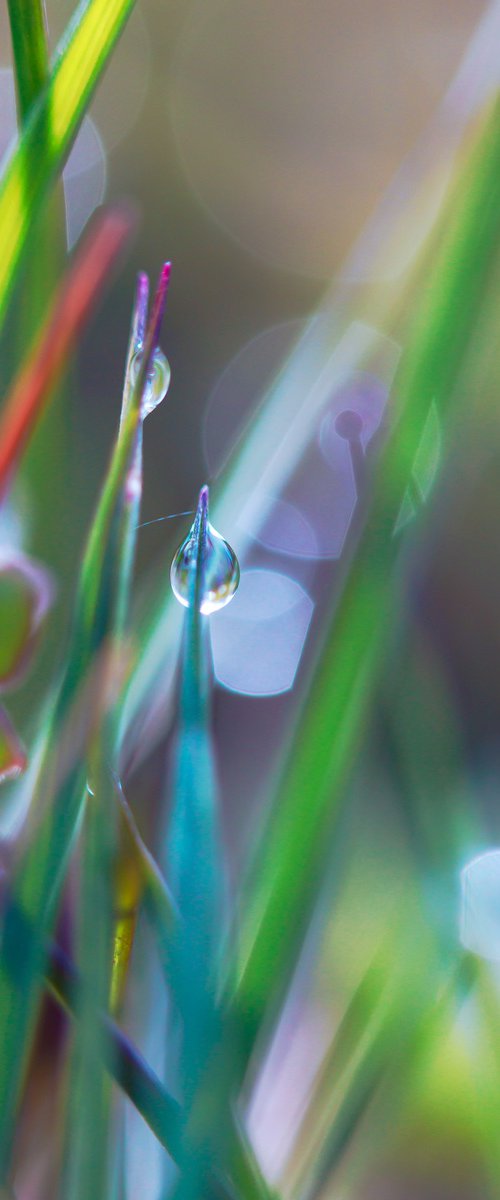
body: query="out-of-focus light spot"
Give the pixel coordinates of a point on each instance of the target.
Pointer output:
(284, 1085)
(355, 413)
(286, 530)
(258, 641)
(312, 515)
(231, 405)
(84, 178)
(326, 495)
(123, 89)
(292, 160)
(480, 912)
(239, 389)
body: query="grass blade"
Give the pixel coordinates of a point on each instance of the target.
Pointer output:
(29, 44)
(195, 869)
(137, 878)
(99, 615)
(293, 847)
(158, 1108)
(102, 964)
(52, 125)
(126, 1065)
(71, 308)
(86, 1171)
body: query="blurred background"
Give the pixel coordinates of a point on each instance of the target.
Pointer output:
(291, 159)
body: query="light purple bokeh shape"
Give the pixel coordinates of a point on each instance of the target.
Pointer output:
(285, 530)
(311, 519)
(258, 639)
(326, 496)
(366, 394)
(480, 911)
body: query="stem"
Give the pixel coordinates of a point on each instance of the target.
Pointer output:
(28, 28)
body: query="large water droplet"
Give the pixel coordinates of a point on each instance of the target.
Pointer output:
(221, 570)
(158, 379)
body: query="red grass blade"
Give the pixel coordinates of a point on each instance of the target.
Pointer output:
(71, 308)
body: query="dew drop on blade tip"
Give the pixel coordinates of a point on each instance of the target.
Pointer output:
(221, 574)
(158, 380)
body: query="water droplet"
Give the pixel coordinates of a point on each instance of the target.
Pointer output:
(158, 379)
(221, 570)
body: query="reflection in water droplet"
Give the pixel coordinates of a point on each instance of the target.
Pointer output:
(221, 570)
(158, 379)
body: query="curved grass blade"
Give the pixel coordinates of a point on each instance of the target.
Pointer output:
(70, 309)
(52, 125)
(136, 878)
(99, 615)
(126, 1065)
(158, 1108)
(294, 845)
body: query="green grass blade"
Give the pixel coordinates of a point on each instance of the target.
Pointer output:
(409, 1022)
(293, 847)
(87, 1163)
(158, 1108)
(29, 44)
(160, 1111)
(52, 125)
(99, 613)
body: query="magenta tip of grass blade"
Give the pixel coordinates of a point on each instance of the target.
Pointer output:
(203, 499)
(158, 307)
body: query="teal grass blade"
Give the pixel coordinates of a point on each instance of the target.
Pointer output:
(194, 866)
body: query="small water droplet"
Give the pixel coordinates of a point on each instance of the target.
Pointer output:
(158, 379)
(221, 570)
